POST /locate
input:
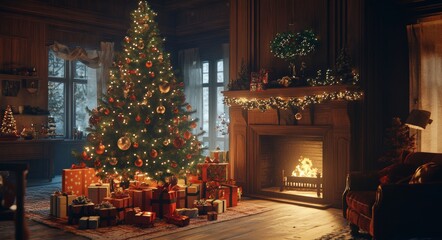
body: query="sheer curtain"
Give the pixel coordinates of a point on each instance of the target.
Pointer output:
(190, 63)
(425, 48)
(226, 66)
(98, 60)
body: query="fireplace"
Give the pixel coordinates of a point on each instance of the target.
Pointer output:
(290, 162)
(266, 146)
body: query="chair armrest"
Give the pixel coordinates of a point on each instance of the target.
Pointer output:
(359, 181)
(412, 208)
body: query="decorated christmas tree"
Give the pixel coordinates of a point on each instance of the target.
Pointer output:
(9, 126)
(143, 124)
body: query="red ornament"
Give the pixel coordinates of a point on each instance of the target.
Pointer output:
(82, 165)
(84, 156)
(106, 111)
(138, 162)
(128, 60)
(193, 125)
(185, 118)
(189, 156)
(147, 121)
(142, 55)
(173, 164)
(111, 100)
(181, 84)
(127, 39)
(152, 74)
(175, 110)
(187, 135)
(135, 145)
(94, 120)
(97, 163)
(73, 166)
(149, 64)
(153, 49)
(132, 71)
(178, 142)
(188, 107)
(100, 149)
(153, 153)
(133, 97)
(138, 118)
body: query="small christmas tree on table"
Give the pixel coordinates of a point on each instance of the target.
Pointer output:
(143, 124)
(9, 126)
(397, 141)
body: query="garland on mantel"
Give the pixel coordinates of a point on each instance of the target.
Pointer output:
(292, 102)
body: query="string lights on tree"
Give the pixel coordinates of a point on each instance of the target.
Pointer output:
(143, 124)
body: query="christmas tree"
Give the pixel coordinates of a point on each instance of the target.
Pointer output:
(143, 124)
(9, 126)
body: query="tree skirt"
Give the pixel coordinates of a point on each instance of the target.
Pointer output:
(37, 209)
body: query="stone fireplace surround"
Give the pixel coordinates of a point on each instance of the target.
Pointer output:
(328, 121)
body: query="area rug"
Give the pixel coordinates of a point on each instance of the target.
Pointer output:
(37, 209)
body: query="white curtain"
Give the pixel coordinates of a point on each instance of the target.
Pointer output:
(425, 48)
(99, 60)
(190, 63)
(226, 66)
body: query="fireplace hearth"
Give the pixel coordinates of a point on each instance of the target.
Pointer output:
(266, 146)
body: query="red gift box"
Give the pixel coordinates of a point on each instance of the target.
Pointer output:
(144, 219)
(178, 220)
(212, 216)
(78, 180)
(212, 171)
(181, 198)
(141, 196)
(129, 214)
(163, 202)
(231, 194)
(120, 200)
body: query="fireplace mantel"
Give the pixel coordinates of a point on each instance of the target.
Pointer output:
(288, 92)
(331, 115)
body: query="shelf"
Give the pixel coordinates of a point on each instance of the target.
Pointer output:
(16, 77)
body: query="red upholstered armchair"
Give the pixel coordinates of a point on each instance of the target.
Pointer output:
(387, 206)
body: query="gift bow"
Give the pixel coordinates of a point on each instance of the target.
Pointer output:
(139, 185)
(119, 194)
(106, 204)
(81, 200)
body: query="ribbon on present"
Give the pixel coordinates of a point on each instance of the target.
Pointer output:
(204, 168)
(161, 201)
(80, 200)
(56, 200)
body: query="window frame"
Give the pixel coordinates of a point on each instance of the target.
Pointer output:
(69, 81)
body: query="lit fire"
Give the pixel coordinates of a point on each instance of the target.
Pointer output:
(304, 168)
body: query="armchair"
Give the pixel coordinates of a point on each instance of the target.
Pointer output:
(387, 206)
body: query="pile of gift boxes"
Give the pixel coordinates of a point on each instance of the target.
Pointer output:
(90, 204)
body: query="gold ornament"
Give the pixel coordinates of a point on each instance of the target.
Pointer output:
(100, 149)
(149, 94)
(166, 142)
(149, 64)
(140, 44)
(161, 109)
(124, 143)
(298, 116)
(113, 161)
(164, 87)
(160, 58)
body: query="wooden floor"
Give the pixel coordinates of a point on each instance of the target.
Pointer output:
(284, 221)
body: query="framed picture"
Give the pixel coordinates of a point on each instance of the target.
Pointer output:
(10, 88)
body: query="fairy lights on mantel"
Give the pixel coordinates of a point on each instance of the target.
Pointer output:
(292, 102)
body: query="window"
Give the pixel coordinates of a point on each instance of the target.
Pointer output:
(425, 84)
(213, 106)
(69, 92)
